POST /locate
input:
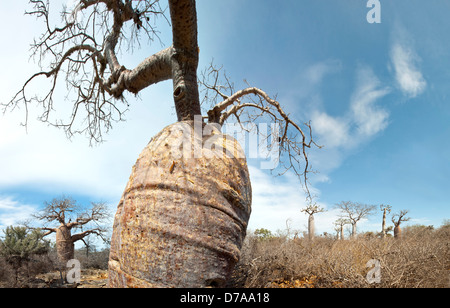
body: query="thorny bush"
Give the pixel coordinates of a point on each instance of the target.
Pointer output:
(420, 259)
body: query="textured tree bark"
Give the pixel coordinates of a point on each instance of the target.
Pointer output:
(183, 215)
(178, 62)
(64, 244)
(152, 70)
(185, 58)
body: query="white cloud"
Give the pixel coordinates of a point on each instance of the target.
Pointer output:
(332, 131)
(41, 157)
(363, 120)
(12, 212)
(278, 201)
(408, 76)
(274, 200)
(44, 157)
(340, 134)
(369, 118)
(316, 72)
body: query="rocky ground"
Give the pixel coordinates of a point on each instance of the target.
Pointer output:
(90, 278)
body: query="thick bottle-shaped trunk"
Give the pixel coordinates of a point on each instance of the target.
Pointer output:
(183, 216)
(311, 228)
(397, 232)
(64, 244)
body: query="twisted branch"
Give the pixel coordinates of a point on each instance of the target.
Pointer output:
(227, 103)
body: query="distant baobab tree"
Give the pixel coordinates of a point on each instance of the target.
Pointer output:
(339, 227)
(66, 216)
(397, 219)
(354, 212)
(181, 220)
(385, 209)
(311, 209)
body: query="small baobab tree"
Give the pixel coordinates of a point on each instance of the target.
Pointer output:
(339, 227)
(397, 219)
(68, 216)
(385, 209)
(311, 209)
(354, 212)
(181, 220)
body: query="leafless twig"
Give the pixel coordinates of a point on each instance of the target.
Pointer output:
(83, 48)
(250, 105)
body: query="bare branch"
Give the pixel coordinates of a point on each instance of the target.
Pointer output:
(83, 48)
(385, 208)
(313, 208)
(251, 104)
(398, 218)
(56, 210)
(49, 231)
(80, 236)
(152, 70)
(354, 212)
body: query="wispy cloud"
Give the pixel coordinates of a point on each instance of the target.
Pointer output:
(276, 201)
(368, 117)
(364, 119)
(407, 74)
(332, 131)
(308, 82)
(317, 72)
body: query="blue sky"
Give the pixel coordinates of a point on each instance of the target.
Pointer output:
(377, 96)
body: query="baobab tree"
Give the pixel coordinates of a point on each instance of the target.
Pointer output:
(339, 227)
(354, 212)
(311, 209)
(69, 217)
(385, 209)
(397, 219)
(181, 220)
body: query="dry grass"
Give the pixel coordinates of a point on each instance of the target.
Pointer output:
(420, 259)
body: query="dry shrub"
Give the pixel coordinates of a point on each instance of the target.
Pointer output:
(93, 259)
(417, 260)
(6, 274)
(26, 273)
